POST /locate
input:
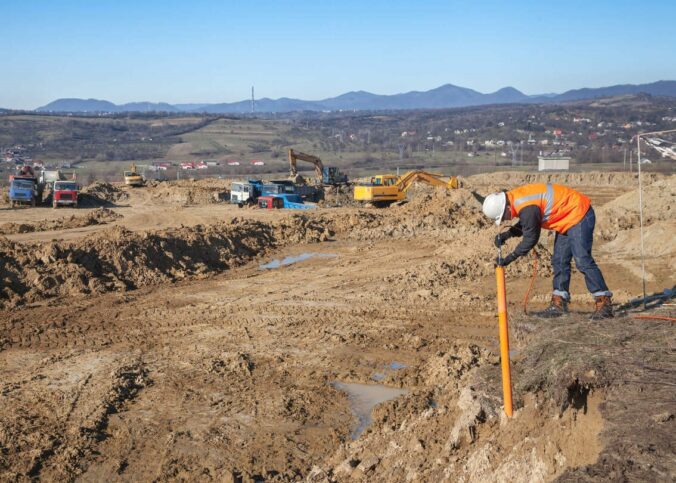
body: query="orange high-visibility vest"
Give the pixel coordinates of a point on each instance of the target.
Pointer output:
(561, 207)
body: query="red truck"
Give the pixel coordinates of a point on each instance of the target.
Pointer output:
(270, 202)
(65, 193)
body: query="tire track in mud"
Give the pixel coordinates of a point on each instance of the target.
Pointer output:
(61, 418)
(87, 330)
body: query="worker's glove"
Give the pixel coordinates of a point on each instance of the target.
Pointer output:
(501, 238)
(503, 262)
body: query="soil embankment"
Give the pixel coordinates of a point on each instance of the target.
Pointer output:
(100, 216)
(117, 259)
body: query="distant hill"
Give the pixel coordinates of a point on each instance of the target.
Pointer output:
(262, 105)
(78, 105)
(189, 107)
(446, 96)
(660, 88)
(96, 105)
(147, 107)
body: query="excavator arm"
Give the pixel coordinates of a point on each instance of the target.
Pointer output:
(296, 155)
(434, 179)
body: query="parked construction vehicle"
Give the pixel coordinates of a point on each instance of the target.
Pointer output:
(385, 189)
(132, 177)
(246, 193)
(24, 188)
(327, 175)
(289, 201)
(65, 193)
(48, 177)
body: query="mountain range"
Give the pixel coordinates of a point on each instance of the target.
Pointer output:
(446, 96)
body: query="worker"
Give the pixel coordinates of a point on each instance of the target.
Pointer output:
(570, 215)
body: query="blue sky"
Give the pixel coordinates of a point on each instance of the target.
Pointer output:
(213, 51)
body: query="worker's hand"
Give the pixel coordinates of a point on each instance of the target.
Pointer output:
(501, 238)
(503, 262)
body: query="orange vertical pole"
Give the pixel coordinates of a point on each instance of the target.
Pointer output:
(504, 341)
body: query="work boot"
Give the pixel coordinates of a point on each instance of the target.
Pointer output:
(557, 308)
(604, 308)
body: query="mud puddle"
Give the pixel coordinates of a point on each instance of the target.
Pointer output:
(277, 263)
(363, 398)
(393, 366)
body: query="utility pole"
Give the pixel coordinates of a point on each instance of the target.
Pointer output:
(624, 163)
(252, 100)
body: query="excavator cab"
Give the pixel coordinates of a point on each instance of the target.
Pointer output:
(332, 176)
(381, 189)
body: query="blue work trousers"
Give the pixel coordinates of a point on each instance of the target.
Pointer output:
(577, 243)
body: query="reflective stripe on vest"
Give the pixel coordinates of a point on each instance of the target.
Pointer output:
(548, 196)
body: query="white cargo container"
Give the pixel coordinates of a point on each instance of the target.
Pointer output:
(553, 163)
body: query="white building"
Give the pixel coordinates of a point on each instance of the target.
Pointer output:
(553, 163)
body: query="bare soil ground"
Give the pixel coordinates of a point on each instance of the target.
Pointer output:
(154, 347)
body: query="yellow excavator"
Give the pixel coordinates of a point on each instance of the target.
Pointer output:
(384, 189)
(327, 175)
(132, 177)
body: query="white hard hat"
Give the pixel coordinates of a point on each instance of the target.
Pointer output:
(494, 206)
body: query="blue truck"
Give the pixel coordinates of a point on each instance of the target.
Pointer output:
(23, 190)
(288, 187)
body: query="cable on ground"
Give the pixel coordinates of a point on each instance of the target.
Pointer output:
(655, 317)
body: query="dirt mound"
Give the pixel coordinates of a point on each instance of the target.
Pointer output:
(448, 279)
(337, 196)
(440, 213)
(658, 239)
(190, 192)
(453, 217)
(659, 203)
(451, 427)
(118, 259)
(101, 193)
(100, 216)
(506, 179)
